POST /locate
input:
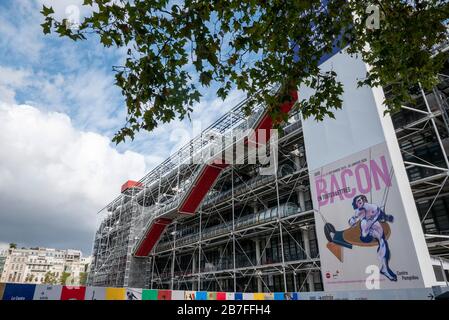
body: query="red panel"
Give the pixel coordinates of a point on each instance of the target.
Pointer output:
(267, 123)
(164, 295)
(205, 181)
(131, 184)
(152, 236)
(221, 295)
(73, 293)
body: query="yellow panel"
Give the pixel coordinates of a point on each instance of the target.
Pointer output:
(115, 293)
(259, 296)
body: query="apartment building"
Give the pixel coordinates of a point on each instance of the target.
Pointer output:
(32, 265)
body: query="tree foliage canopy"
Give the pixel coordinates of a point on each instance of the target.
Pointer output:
(50, 278)
(174, 48)
(65, 279)
(83, 278)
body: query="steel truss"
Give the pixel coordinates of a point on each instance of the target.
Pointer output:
(428, 128)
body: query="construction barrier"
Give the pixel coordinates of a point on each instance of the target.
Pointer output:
(14, 291)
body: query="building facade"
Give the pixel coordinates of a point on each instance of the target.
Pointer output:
(33, 265)
(2, 261)
(256, 232)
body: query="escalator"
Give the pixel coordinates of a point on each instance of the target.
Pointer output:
(200, 183)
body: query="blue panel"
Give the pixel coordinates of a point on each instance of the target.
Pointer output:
(238, 296)
(19, 291)
(279, 296)
(201, 295)
(289, 296)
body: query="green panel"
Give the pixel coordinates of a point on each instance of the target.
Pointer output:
(149, 294)
(211, 296)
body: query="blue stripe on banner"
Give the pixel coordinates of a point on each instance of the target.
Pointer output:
(19, 291)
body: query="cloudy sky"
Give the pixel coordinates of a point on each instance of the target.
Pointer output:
(59, 110)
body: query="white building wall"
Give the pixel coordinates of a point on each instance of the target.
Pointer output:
(31, 265)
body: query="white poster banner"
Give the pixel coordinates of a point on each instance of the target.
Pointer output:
(361, 225)
(95, 293)
(177, 295)
(398, 294)
(364, 208)
(47, 292)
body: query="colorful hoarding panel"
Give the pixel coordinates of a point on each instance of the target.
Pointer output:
(55, 292)
(258, 296)
(73, 293)
(263, 296)
(248, 296)
(133, 294)
(149, 294)
(201, 295)
(47, 292)
(115, 294)
(364, 208)
(222, 296)
(280, 296)
(189, 295)
(2, 289)
(211, 296)
(268, 296)
(232, 296)
(291, 296)
(164, 295)
(19, 291)
(95, 293)
(177, 295)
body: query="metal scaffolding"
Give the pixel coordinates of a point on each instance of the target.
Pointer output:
(255, 232)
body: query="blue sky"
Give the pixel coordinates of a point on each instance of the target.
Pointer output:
(59, 110)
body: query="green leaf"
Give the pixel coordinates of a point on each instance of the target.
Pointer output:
(205, 78)
(106, 40)
(47, 11)
(46, 26)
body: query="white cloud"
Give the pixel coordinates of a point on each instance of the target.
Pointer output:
(21, 36)
(54, 178)
(168, 138)
(10, 80)
(3, 246)
(57, 74)
(89, 96)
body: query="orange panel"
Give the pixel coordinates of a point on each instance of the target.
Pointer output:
(131, 184)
